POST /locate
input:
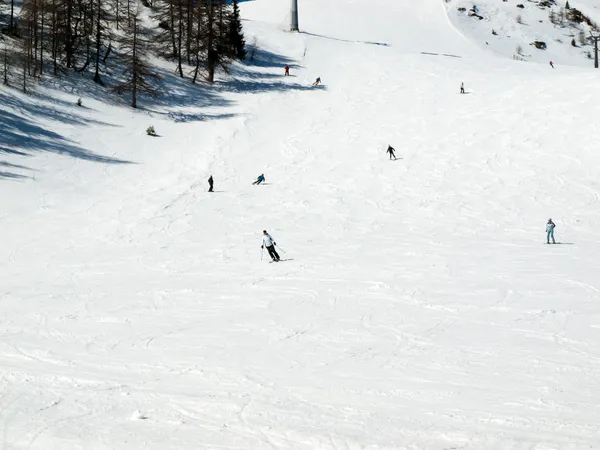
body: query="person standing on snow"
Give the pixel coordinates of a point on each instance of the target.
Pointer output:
(317, 81)
(391, 151)
(462, 87)
(551, 64)
(260, 179)
(267, 241)
(550, 231)
(287, 69)
(210, 184)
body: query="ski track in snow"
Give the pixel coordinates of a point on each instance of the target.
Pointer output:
(416, 306)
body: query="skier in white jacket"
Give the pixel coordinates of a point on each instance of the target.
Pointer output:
(267, 241)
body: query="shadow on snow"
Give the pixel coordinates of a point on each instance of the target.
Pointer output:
(382, 44)
(22, 134)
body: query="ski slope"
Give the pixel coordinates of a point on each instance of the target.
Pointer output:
(418, 306)
(509, 28)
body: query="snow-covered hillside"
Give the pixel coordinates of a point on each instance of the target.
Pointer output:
(512, 27)
(417, 306)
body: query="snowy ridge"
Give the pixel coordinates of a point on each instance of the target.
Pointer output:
(510, 28)
(419, 307)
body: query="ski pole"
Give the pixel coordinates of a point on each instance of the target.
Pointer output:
(281, 249)
(262, 250)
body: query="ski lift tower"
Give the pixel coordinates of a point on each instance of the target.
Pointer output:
(595, 40)
(294, 24)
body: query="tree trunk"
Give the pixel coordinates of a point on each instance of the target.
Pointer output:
(172, 17)
(198, 35)
(12, 15)
(69, 48)
(98, 38)
(135, 68)
(211, 62)
(54, 40)
(43, 13)
(190, 26)
(179, 38)
(34, 30)
(5, 64)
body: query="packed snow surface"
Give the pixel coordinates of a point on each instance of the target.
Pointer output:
(417, 306)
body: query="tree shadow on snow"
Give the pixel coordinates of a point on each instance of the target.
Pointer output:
(46, 111)
(14, 166)
(255, 87)
(267, 59)
(12, 176)
(22, 136)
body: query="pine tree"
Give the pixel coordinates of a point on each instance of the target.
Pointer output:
(135, 47)
(100, 18)
(567, 6)
(217, 44)
(236, 34)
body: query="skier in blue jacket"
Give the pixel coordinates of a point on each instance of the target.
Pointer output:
(550, 231)
(260, 179)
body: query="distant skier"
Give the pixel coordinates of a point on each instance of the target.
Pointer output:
(391, 151)
(267, 241)
(462, 87)
(260, 179)
(317, 81)
(551, 64)
(287, 69)
(550, 231)
(210, 184)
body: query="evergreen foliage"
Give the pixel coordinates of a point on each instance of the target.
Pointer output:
(236, 34)
(98, 37)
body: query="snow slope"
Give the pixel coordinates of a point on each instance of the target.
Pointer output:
(417, 307)
(517, 28)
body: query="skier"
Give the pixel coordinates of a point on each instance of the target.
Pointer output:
(551, 64)
(287, 69)
(267, 241)
(260, 179)
(462, 87)
(391, 151)
(550, 231)
(210, 184)
(317, 81)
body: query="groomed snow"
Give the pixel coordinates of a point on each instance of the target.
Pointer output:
(418, 306)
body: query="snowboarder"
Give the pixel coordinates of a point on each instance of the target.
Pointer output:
(550, 231)
(287, 69)
(210, 184)
(267, 241)
(391, 151)
(551, 64)
(317, 81)
(462, 87)
(260, 179)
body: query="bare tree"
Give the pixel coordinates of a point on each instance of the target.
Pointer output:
(5, 61)
(101, 33)
(134, 52)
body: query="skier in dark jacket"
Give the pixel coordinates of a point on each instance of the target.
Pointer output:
(260, 179)
(268, 242)
(210, 184)
(391, 151)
